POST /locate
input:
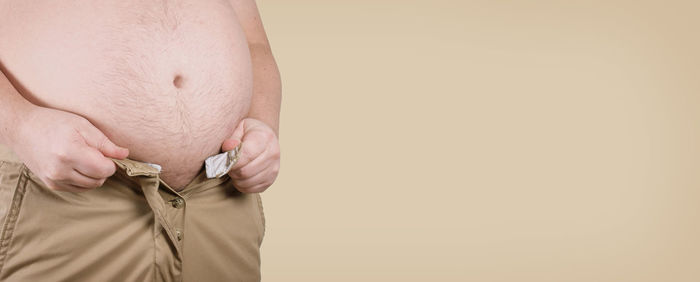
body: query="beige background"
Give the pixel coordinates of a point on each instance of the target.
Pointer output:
(486, 141)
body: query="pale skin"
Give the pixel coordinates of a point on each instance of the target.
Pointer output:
(68, 153)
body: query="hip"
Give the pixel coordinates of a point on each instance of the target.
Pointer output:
(133, 228)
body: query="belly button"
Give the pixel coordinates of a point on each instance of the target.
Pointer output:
(178, 81)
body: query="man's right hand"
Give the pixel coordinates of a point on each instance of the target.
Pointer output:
(65, 150)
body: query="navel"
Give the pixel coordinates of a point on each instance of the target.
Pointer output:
(178, 81)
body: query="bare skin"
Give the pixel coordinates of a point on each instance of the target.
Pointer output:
(168, 82)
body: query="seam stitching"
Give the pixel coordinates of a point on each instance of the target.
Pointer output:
(262, 216)
(155, 248)
(12, 216)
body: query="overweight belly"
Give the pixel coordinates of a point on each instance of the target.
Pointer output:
(167, 79)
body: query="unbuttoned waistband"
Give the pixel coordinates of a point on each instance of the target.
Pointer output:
(133, 168)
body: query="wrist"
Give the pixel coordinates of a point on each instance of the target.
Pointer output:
(15, 122)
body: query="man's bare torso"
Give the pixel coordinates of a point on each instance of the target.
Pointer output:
(167, 79)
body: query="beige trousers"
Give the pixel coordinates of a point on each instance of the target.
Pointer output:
(133, 228)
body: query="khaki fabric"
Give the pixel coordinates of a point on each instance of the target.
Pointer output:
(133, 228)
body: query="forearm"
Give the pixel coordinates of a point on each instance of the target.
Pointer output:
(12, 107)
(267, 87)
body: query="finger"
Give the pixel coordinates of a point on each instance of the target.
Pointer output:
(256, 189)
(93, 164)
(235, 139)
(249, 169)
(82, 181)
(96, 139)
(252, 148)
(263, 177)
(230, 144)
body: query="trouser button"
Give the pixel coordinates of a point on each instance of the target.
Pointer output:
(177, 203)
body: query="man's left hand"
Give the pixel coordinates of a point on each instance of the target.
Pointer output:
(259, 160)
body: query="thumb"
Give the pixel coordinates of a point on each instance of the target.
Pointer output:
(96, 139)
(235, 139)
(111, 150)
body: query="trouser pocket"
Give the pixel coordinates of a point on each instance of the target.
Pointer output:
(261, 211)
(13, 181)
